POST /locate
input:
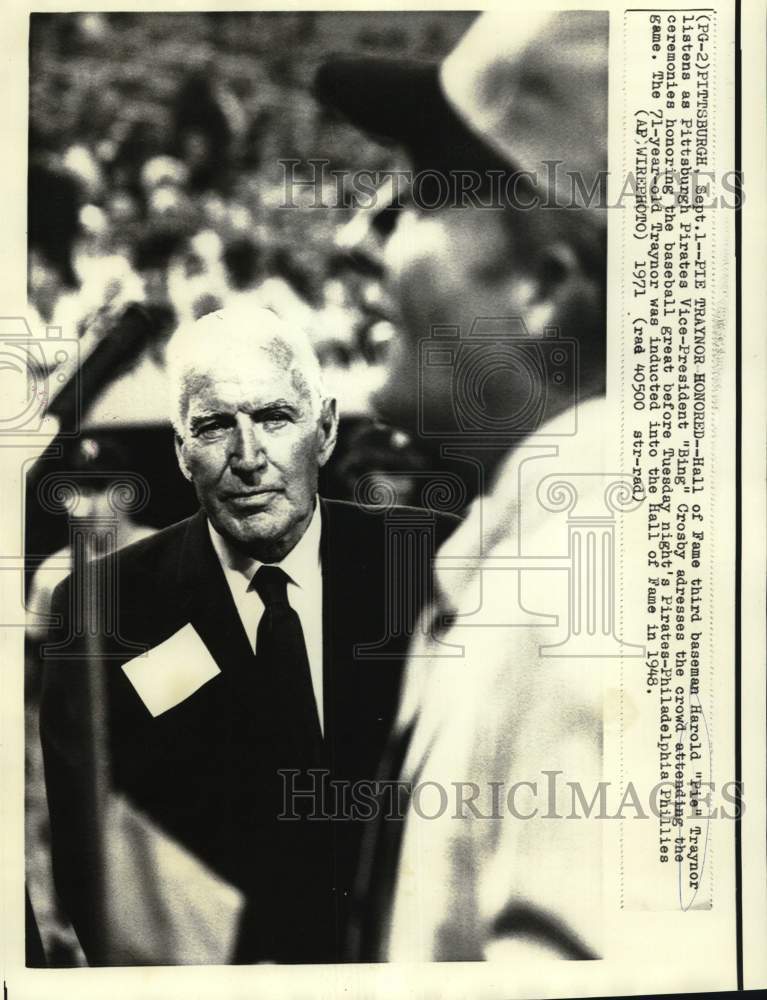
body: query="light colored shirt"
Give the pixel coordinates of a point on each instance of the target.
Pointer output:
(500, 709)
(304, 570)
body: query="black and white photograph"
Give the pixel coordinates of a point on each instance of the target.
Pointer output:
(376, 504)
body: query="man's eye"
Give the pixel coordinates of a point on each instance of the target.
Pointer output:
(208, 432)
(386, 219)
(275, 420)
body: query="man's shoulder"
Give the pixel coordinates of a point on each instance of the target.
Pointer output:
(156, 551)
(151, 557)
(153, 547)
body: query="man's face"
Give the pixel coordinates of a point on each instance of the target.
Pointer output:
(253, 443)
(439, 269)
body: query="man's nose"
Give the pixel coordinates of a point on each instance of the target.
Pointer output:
(248, 454)
(364, 237)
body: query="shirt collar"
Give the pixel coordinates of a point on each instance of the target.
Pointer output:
(302, 563)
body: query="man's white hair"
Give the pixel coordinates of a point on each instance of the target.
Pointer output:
(232, 339)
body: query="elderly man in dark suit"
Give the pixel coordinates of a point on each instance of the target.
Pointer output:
(250, 660)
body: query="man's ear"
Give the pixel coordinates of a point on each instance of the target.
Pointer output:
(555, 276)
(179, 444)
(327, 430)
(557, 268)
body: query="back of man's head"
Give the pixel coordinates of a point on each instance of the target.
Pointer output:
(514, 119)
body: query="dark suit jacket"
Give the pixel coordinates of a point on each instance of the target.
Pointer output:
(205, 770)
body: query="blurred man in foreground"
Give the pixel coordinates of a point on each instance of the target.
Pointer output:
(500, 305)
(232, 670)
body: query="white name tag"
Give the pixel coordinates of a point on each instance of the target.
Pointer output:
(169, 673)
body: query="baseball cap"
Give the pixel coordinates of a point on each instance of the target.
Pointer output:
(523, 90)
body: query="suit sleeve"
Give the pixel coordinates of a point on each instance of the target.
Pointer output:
(64, 733)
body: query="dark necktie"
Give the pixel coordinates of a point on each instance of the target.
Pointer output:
(293, 917)
(281, 655)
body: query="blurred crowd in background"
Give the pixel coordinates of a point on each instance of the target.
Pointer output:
(155, 177)
(155, 181)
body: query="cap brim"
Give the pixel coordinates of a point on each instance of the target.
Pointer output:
(400, 101)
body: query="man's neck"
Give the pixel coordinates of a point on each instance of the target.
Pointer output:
(275, 550)
(265, 550)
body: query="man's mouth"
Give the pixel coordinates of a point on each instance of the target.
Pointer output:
(251, 499)
(379, 305)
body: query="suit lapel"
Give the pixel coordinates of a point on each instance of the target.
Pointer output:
(246, 693)
(328, 608)
(207, 599)
(356, 691)
(352, 615)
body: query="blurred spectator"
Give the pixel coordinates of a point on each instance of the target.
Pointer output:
(387, 457)
(50, 297)
(274, 278)
(287, 266)
(151, 259)
(244, 263)
(163, 170)
(202, 136)
(53, 219)
(143, 139)
(196, 276)
(81, 164)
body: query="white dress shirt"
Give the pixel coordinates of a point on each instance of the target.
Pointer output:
(304, 570)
